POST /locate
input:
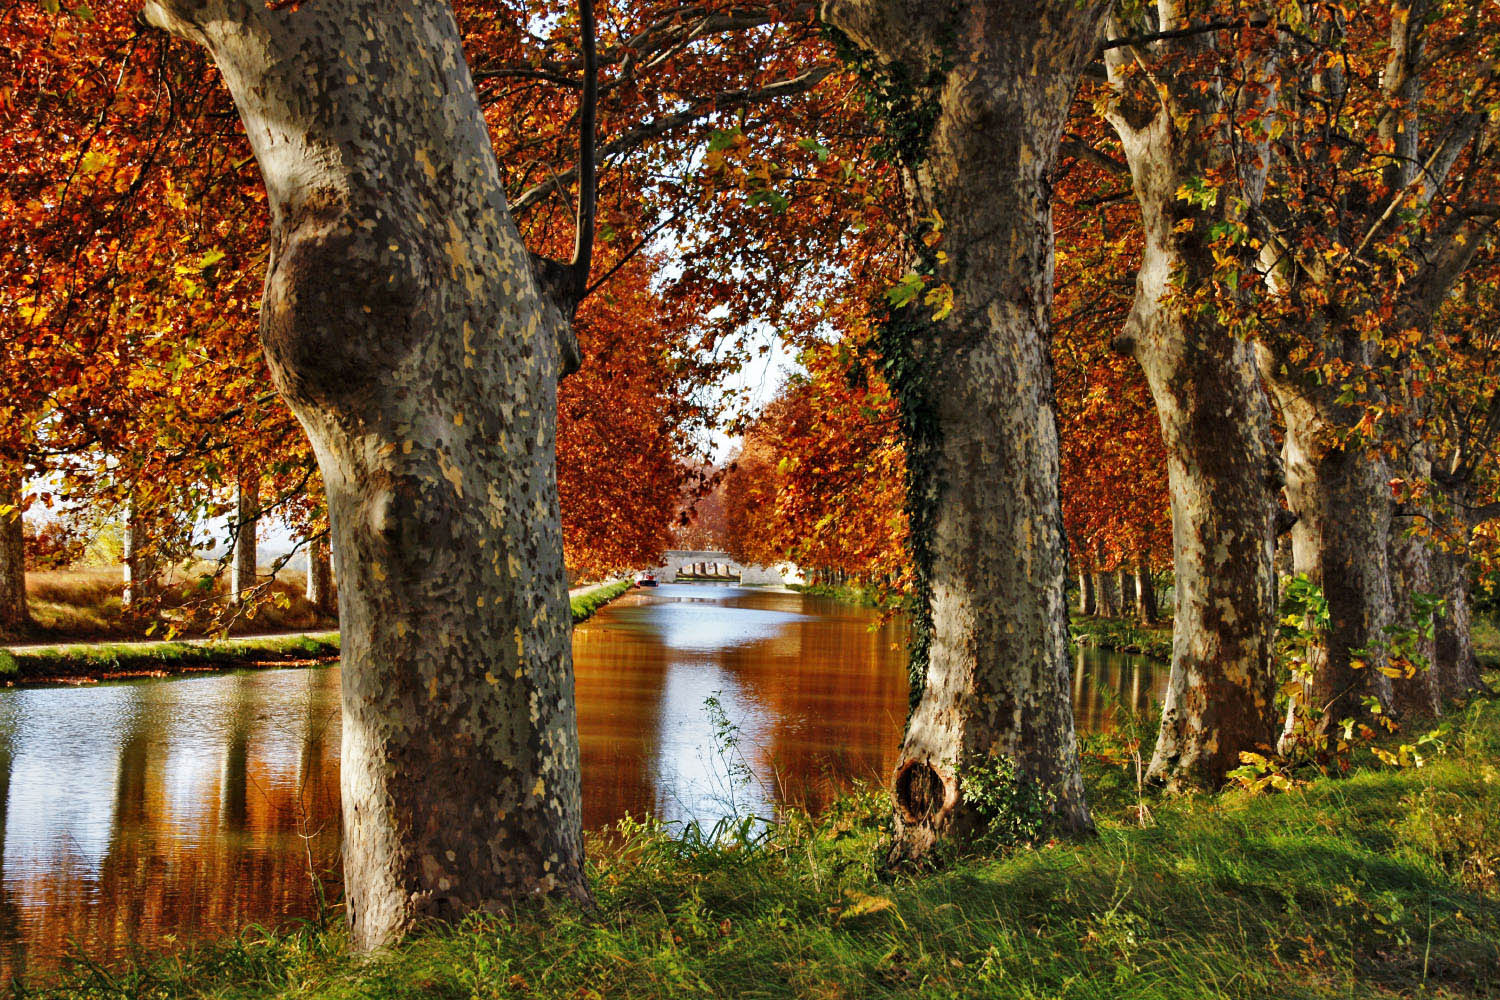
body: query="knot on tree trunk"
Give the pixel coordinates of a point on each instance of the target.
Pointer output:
(924, 794)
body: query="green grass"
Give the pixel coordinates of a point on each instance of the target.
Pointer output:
(1124, 635)
(105, 658)
(1486, 635)
(584, 605)
(865, 597)
(1380, 884)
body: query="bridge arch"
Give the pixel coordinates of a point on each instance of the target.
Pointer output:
(686, 563)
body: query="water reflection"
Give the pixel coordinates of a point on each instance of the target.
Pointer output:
(816, 690)
(136, 815)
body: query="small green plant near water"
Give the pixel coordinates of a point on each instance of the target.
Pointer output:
(734, 778)
(1016, 810)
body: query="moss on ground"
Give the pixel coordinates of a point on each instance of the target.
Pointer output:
(1379, 884)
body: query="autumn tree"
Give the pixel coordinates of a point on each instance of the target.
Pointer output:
(631, 421)
(1184, 92)
(819, 479)
(429, 394)
(1379, 196)
(974, 97)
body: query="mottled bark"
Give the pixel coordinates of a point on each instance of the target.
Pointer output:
(1128, 598)
(14, 614)
(320, 589)
(1216, 428)
(245, 550)
(404, 325)
(1416, 692)
(994, 81)
(1341, 496)
(1145, 593)
(1220, 470)
(1087, 601)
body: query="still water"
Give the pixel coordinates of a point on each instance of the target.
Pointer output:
(142, 815)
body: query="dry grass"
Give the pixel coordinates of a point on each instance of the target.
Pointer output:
(85, 604)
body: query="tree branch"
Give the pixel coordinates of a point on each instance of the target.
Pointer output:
(642, 134)
(588, 186)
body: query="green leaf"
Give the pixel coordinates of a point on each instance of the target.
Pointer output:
(722, 139)
(814, 146)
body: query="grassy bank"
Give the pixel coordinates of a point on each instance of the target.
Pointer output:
(106, 660)
(1123, 635)
(585, 604)
(1380, 884)
(852, 594)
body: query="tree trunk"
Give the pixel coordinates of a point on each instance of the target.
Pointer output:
(1454, 662)
(246, 555)
(993, 83)
(1128, 599)
(1106, 586)
(138, 568)
(14, 614)
(1417, 695)
(1221, 690)
(405, 326)
(320, 591)
(1341, 497)
(1216, 427)
(1145, 593)
(1087, 602)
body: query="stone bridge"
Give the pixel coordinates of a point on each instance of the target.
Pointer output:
(681, 565)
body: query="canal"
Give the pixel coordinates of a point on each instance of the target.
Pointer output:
(144, 815)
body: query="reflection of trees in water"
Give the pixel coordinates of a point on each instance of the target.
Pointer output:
(206, 833)
(620, 678)
(1104, 680)
(12, 941)
(234, 784)
(217, 786)
(827, 696)
(835, 692)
